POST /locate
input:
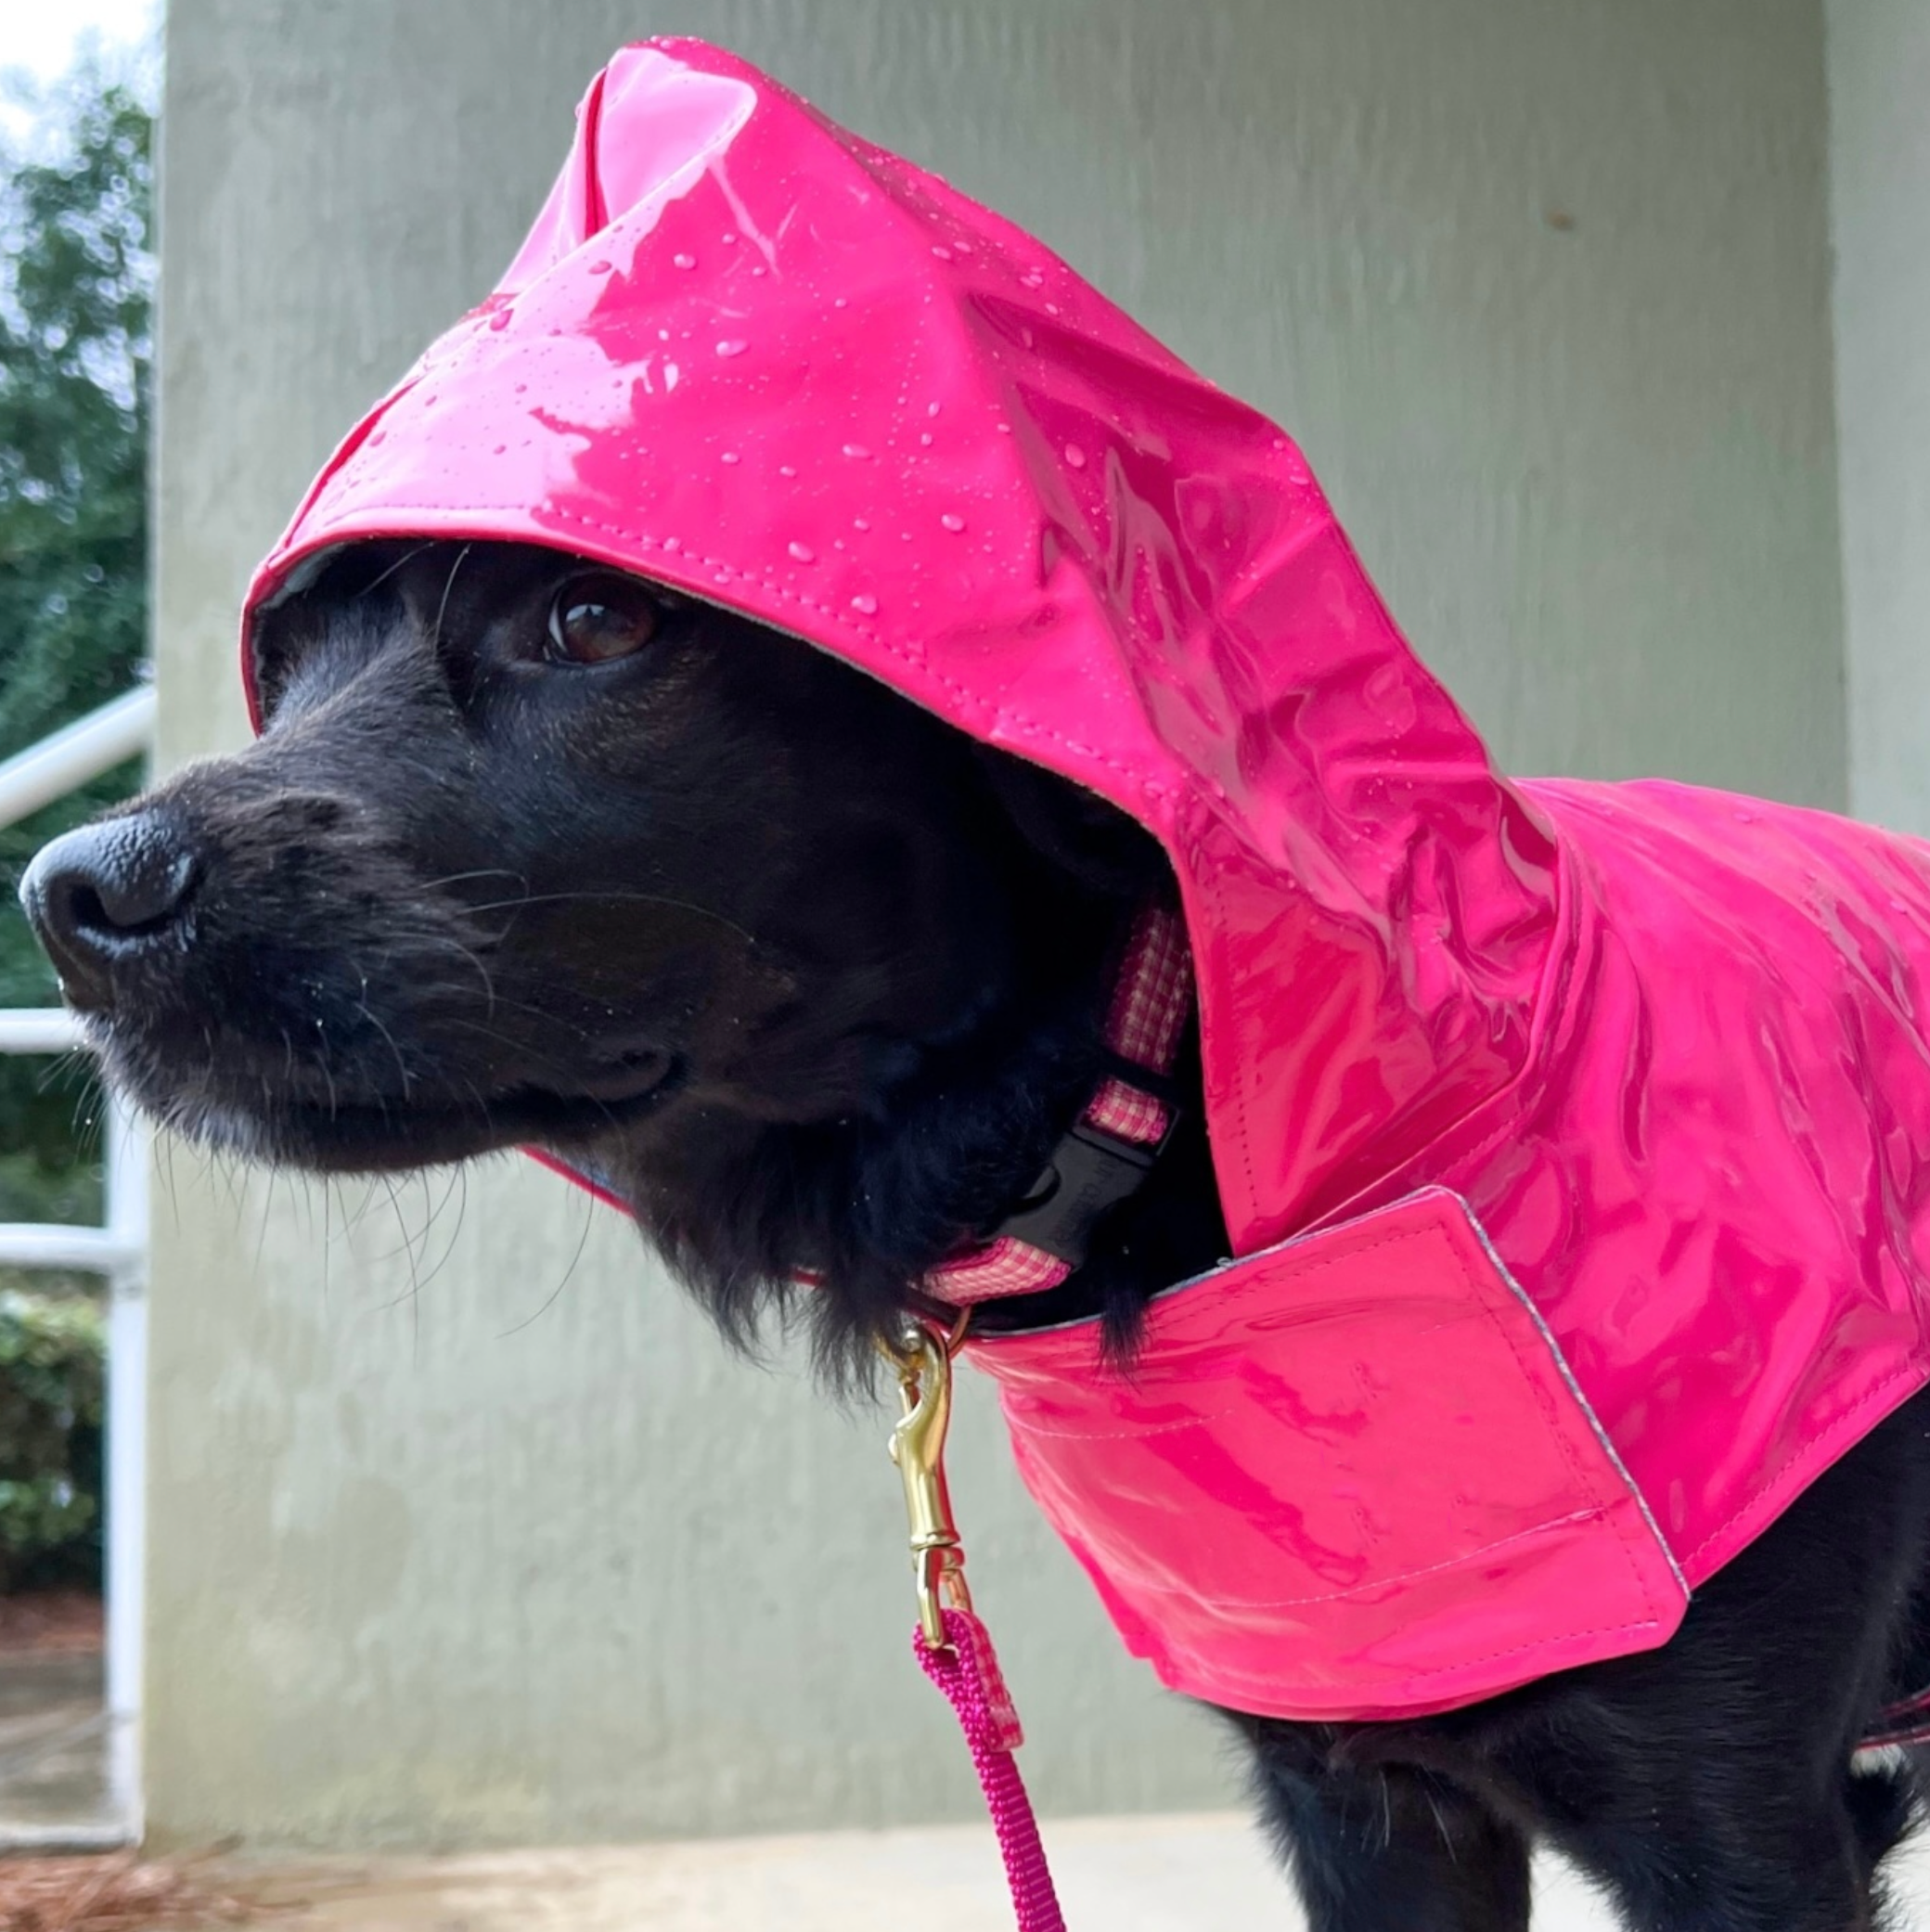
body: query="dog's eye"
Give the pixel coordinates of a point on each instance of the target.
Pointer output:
(594, 620)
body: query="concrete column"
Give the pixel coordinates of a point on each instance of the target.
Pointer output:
(1879, 68)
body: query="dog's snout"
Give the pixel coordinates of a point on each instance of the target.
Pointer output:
(103, 895)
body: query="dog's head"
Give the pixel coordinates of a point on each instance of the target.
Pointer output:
(531, 851)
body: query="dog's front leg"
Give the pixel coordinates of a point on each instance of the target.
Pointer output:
(1385, 1849)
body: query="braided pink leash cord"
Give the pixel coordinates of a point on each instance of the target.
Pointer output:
(967, 1671)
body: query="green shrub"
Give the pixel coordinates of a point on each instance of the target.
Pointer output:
(53, 1390)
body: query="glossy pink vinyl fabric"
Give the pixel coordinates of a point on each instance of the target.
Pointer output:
(1574, 1140)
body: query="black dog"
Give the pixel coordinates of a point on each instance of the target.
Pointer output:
(531, 852)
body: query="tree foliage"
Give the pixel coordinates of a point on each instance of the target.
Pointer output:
(76, 278)
(53, 1406)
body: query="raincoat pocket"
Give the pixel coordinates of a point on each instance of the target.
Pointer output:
(1349, 1476)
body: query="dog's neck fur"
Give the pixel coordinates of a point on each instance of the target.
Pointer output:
(869, 1206)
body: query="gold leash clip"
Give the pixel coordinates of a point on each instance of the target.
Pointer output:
(923, 1362)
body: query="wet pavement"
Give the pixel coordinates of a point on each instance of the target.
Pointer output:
(53, 1752)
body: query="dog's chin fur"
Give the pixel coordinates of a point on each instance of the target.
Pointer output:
(815, 984)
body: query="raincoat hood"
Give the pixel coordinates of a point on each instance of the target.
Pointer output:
(1572, 1140)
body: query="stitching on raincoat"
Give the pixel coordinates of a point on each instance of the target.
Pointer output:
(1912, 1373)
(1624, 1483)
(966, 700)
(1209, 876)
(1273, 1681)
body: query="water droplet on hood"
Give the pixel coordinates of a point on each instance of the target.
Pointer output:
(672, 544)
(599, 269)
(730, 346)
(943, 253)
(856, 449)
(684, 261)
(1075, 456)
(729, 456)
(860, 523)
(785, 470)
(865, 604)
(670, 372)
(803, 552)
(952, 520)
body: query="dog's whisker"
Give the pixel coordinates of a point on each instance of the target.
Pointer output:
(369, 1013)
(261, 1239)
(614, 896)
(457, 1177)
(463, 878)
(321, 1062)
(435, 634)
(376, 583)
(482, 973)
(62, 1066)
(410, 1295)
(550, 1301)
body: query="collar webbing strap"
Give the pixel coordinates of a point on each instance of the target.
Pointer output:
(1110, 1149)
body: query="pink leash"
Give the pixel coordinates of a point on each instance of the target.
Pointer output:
(967, 1671)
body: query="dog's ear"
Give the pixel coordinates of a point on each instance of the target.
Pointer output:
(1075, 830)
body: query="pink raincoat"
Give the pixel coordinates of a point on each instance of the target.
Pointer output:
(1573, 1139)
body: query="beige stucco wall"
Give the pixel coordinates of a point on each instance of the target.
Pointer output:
(463, 1529)
(1879, 65)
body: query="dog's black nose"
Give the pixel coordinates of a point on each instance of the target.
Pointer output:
(104, 896)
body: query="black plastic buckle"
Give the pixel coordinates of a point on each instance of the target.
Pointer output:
(1089, 1172)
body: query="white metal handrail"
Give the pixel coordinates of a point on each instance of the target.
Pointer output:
(117, 1250)
(37, 1029)
(67, 759)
